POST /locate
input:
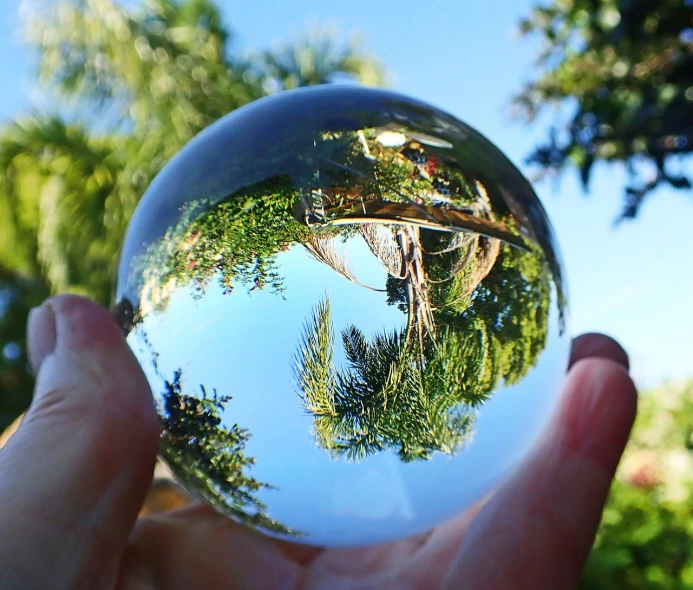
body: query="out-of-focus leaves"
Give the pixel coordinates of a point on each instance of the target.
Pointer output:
(17, 296)
(645, 540)
(622, 73)
(131, 86)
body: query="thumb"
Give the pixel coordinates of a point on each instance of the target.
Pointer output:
(75, 474)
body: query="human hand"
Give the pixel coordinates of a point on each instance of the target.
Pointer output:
(75, 474)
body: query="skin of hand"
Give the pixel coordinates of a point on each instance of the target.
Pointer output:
(74, 475)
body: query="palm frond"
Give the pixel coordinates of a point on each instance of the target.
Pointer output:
(324, 250)
(382, 243)
(313, 362)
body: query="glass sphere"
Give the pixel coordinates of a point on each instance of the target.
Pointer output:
(351, 311)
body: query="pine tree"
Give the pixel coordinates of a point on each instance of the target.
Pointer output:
(207, 456)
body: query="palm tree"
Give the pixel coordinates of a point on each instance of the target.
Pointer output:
(417, 391)
(290, 208)
(141, 82)
(324, 250)
(400, 390)
(385, 398)
(391, 199)
(318, 59)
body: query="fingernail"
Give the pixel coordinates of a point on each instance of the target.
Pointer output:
(41, 335)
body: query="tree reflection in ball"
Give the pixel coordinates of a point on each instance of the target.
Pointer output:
(350, 309)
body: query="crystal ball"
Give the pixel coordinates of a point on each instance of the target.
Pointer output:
(351, 310)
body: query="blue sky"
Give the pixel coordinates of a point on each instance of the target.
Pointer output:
(633, 282)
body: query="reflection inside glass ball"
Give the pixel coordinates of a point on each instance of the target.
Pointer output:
(350, 309)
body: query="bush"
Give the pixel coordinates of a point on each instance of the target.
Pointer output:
(645, 541)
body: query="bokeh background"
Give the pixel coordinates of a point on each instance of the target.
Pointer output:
(593, 99)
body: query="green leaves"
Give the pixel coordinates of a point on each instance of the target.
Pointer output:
(620, 71)
(209, 455)
(141, 82)
(383, 398)
(56, 178)
(313, 362)
(160, 70)
(645, 539)
(318, 58)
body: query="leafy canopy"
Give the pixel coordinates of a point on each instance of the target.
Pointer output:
(622, 73)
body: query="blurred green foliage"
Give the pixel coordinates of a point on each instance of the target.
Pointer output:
(622, 73)
(646, 537)
(130, 86)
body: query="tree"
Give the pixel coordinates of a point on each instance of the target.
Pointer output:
(417, 391)
(208, 456)
(340, 185)
(512, 303)
(622, 71)
(132, 85)
(476, 307)
(385, 398)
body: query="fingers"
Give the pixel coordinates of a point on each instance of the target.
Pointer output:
(75, 473)
(537, 530)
